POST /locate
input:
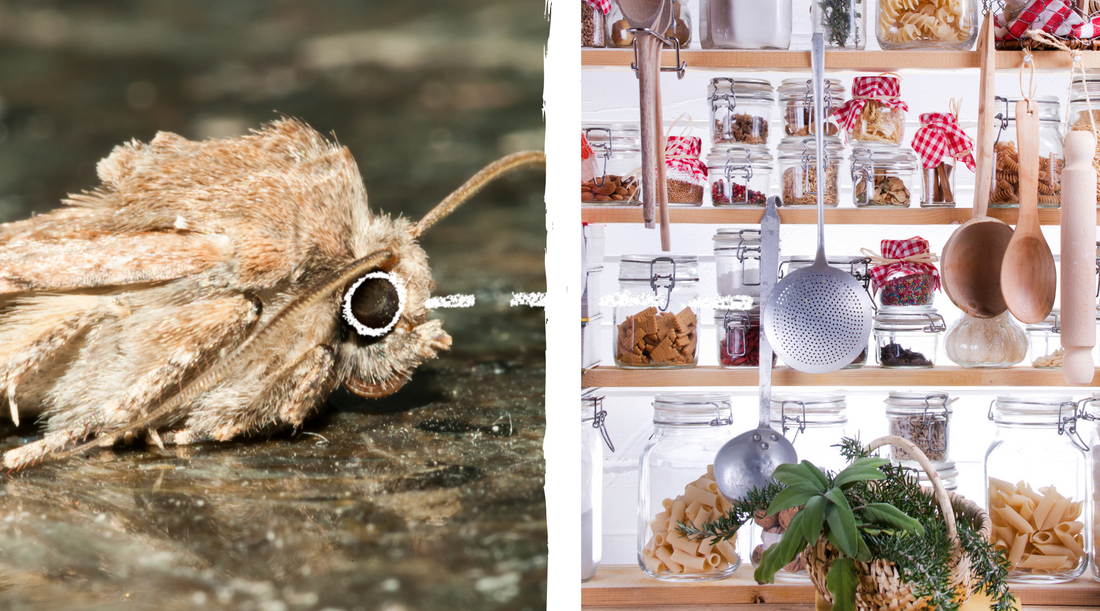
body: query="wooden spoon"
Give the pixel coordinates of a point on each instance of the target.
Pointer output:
(1028, 276)
(971, 258)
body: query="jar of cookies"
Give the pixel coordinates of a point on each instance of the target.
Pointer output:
(740, 175)
(740, 110)
(875, 113)
(676, 484)
(882, 176)
(796, 106)
(798, 168)
(927, 24)
(1006, 158)
(656, 325)
(616, 159)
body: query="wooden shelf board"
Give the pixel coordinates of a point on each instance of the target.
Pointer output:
(861, 61)
(808, 216)
(625, 586)
(613, 377)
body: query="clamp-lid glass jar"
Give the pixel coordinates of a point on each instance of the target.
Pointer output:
(1089, 411)
(593, 25)
(615, 181)
(745, 24)
(738, 334)
(740, 175)
(1035, 472)
(882, 176)
(737, 261)
(1006, 158)
(1044, 342)
(798, 165)
(593, 437)
(619, 34)
(843, 23)
(907, 337)
(676, 483)
(923, 418)
(740, 110)
(1084, 107)
(656, 325)
(796, 106)
(910, 25)
(994, 343)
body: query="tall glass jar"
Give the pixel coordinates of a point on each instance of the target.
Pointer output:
(740, 175)
(907, 337)
(618, 34)
(882, 176)
(798, 166)
(676, 483)
(737, 261)
(593, 437)
(618, 157)
(1035, 471)
(656, 325)
(993, 343)
(1044, 342)
(939, 184)
(923, 418)
(593, 24)
(1006, 157)
(796, 106)
(842, 22)
(681, 25)
(1089, 413)
(1084, 108)
(738, 335)
(904, 25)
(745, 24)
(740, 110)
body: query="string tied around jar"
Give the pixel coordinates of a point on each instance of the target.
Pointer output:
(901, 258)
(883, 89)
(940, 135)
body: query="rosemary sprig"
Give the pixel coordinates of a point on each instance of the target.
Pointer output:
(837, 18)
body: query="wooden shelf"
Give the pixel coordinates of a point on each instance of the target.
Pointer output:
(808, 216)
(626, 587)
(613, 377)
(856, 61)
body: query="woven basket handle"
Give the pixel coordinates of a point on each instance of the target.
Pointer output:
(933, 477)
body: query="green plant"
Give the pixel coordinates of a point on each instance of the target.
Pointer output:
(836, 17)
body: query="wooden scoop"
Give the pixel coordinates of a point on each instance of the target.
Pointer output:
(1028, 276)
(971, 258)
(1078, 258)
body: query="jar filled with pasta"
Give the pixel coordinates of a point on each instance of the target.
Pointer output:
(798, 168)
(1089, 414)
(738, 335)
(842, 23)
(740, 175)
(875, 113)
(676, 484)
(1044, 342)
(656, 325)
(593, 438)
(613, 177)
(737, 261)
(1084, 109)
(923, 418)
(1006, 158)
(1035, 473)
(927, 24)
(796, 106)
(882, 176)
(907, 337)
(980, 343)
(740, 110)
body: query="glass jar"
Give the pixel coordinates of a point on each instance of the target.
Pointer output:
(1036, 467)
(916, 289)
(1084, 102)
(740, 110)
(681, 25)
(796, 106)
(593, 25)
(676, 483)
(923, 418)
(737, 261)
(1044, 342)
(798, 165)
(990, 343)
(745, 24)
(739, 175)
(939, 185)
(685, 172)
(876, 111)
(1089, 412)
(907, 337)
(656, 325)
(618, 159)
(618, 34)
(738, 334)
(952, 25)
(1006, 159)
(843, 23)
(593, 437)
(882, 176)
(947, 471)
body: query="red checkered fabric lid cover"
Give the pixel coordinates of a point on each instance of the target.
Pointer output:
(899, 249)
(1056, 17)
(682, 153)
(939, 136)
(885, 89)
(602, 5)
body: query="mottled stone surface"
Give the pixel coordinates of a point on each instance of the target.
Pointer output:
(430, 499)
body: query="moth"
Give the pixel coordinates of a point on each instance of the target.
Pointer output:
(208, 291)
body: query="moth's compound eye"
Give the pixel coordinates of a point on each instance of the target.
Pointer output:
(373, 304)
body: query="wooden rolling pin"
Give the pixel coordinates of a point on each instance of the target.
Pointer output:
(1078, 258)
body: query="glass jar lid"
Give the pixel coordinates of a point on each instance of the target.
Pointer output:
(739, 159)
(1050, 324)
(890, 157)
(1047, 106)
(856, 265)
(692, 409)
(737, 318)
(613, 138)
(801, 89)
(644, 268)
(1084, 86)
(909, 318)
(1023, 409)
(799, 148)
(934, 404)
(726, 88)
(746, 242)
(799, 410)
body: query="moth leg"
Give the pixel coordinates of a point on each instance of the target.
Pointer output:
(33, 452)
(405, 351)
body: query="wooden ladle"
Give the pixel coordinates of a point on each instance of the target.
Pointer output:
(1028, 276)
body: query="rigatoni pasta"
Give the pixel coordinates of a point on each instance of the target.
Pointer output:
(668, 553)
(1039, 530)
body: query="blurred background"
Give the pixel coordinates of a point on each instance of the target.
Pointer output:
(430, 498)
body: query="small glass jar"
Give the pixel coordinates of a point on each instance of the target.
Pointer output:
(740, 110)
(796, 106)
(745, 24)
(917, 289)
(1084, 108)
(593, 437)
(685, 172)
(881, 116)
(739, 175)
(676, 483)
(843, 23)
(593, 26)
(1044, 342)
(1035, 472)
(681, 25)
(907, 337)
(951, 26)
(738, 334)
(618, 157)
(939, 184)
(798, 167)
(1006, 158)
(737, 261)
(923, 418)
(656, 325)
(947, 471)
(985, 343)
(882, 176)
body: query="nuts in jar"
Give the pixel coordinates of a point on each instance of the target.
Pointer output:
(614, 188)
(740, 110)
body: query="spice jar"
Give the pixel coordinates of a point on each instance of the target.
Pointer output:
(740, 110)
(739, 175)
(798, 165)
(796, 106)
(1006, 159)
(923, 418)
(745, 24)
(875, 113)
(907, 337)
(685, 173)
(615, 149)
(903, 275)
(842, 23)
(992, 343)
(594, 22)
(676, 483)
(737, 261)
(1084, 109)
(940, 142)
(909, 25)
(1035, 472)
(1044, 342)
(593, 437)
(738, 334)
(882, 176)
(655, 324)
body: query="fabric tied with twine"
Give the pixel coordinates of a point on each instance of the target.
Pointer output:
(604, 6)
(940, 136)
(1058, 17)
(883, 89)
(682, 157)
(902, 258)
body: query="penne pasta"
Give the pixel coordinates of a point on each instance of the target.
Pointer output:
(689, 561)
(1015, 520)
(1042, 509)
(666, 557)
(696, 494)
(999, 484)
(1016, 552)
(727, 551)
(1047, 563)
(1055, 515)
(1071, 544)
(1071, 528)
(1038, 531)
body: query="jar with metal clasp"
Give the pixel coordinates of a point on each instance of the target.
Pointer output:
(593, 437)
(656, 325)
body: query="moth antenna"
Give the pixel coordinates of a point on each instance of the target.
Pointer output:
(487, 175)
(216, 374)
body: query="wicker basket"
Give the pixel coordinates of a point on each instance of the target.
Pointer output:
(880, 584)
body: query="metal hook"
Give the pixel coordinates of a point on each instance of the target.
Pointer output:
(680, 66)
(800, 421)
(745, 168)
(733, 332)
